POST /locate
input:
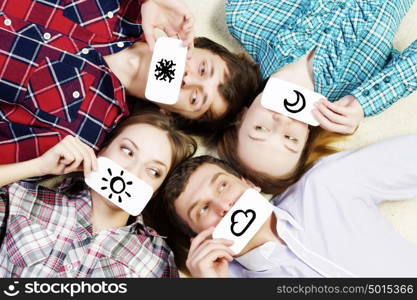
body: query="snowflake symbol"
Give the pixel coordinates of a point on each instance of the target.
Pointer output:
(164, 70)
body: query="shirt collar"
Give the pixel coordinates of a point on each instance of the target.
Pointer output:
(264, 257)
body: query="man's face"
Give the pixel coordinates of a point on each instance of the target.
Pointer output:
(208, 196)
(199, 95)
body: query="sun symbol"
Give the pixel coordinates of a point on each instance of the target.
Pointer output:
(117, 185)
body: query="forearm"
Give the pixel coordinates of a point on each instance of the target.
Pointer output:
(17, 171)
(395, 81)
(383, 171)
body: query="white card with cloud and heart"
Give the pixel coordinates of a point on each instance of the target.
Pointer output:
(119, 186)
(166, 71)
(244, 219)
(291, 100)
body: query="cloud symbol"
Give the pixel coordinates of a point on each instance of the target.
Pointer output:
(241, 220)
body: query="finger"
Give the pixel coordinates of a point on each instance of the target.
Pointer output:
(85, 156)
(207, 247)
(331, 115)
(89, 157)
(94, 159)
(200, 238)
(71, 145)
(336, 107)
(171, 32)
(326, 124)
(149, 33)
(211, 254)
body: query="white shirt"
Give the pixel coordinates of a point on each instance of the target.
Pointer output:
(330, 222)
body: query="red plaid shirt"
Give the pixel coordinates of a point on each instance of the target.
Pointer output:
(53, 79)
(49, 234)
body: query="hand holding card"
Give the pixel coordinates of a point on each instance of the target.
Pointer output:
(244, 219)
(166, 71)
(291, 100)
(119, 186)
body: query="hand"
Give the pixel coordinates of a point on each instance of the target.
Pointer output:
(342, 116)
(67, 156)
(171, 16)
(209, 257)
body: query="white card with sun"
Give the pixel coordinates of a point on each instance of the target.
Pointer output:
(119, 186)
(244, 219)
(166, 71)
(291, 100)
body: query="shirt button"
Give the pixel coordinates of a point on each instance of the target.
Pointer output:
(326, 30)
(85, 51)
(69, 267)
(76, 94)
(7, 22)
(387, 79)
(365, 93)
(376, 86)
(110, 14)
(120, 44)
(46, 35)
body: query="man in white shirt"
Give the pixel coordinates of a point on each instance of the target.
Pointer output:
(326, 225)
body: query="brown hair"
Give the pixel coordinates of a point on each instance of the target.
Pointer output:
(183, 146)
(164, 217)
(242, 81)
(317, 145)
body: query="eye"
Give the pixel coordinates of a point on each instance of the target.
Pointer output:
(203, 209)
(154, 172)
(222, 186)
(202, 69)
(260, 128)
(127, 151)
(292, 139)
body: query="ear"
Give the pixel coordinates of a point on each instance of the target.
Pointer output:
(251, 184)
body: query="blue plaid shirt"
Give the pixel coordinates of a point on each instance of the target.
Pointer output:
(352, 41)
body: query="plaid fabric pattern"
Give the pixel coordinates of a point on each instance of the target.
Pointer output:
(352, 41)
(53, 79)
(49, 234)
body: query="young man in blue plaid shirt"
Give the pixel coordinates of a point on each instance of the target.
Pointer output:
(346, 45)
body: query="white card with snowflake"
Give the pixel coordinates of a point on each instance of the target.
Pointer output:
(119, 186)
(166, 71)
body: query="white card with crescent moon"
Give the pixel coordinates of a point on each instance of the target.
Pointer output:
(244, 219)
(291, 100)
(119, 186)
(166, 71)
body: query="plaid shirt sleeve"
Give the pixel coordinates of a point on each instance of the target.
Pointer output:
(53, 81)
(397, 80)
(96, 21)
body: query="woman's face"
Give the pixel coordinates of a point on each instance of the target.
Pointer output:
(270, 142)
(144, 150)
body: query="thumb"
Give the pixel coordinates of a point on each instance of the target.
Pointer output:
(149, 35)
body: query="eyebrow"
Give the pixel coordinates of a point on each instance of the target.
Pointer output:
(212, 181)
(260, 140)
(160, 163)
(133, 143)
(154, 160)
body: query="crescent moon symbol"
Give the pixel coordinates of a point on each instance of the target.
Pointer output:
(291, 107)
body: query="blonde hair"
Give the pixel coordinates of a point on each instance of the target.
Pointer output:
(319, 144)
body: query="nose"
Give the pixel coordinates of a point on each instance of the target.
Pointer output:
(188, 80)
(223, 206)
